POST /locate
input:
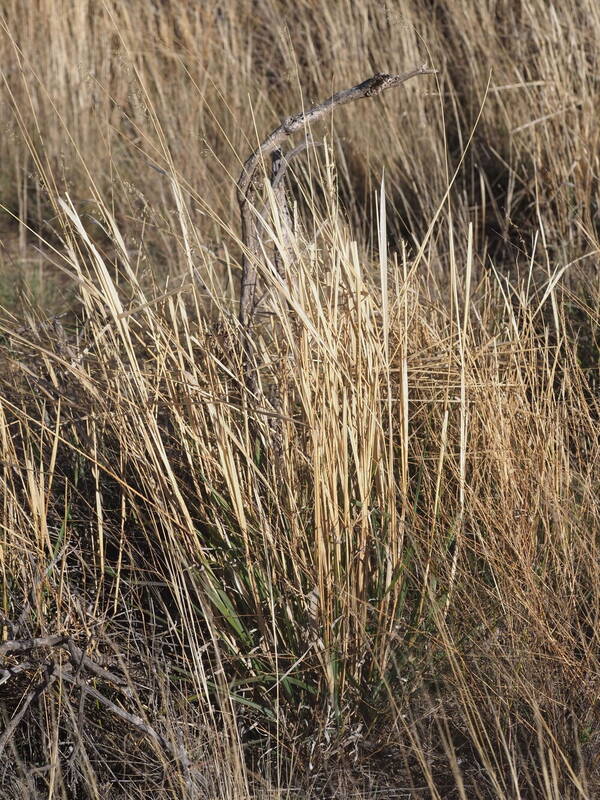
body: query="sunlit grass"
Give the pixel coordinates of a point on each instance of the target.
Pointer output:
(379, 570)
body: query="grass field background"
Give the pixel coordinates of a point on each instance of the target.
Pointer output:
(376, 574)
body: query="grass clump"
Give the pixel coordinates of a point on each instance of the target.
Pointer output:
(374, 571)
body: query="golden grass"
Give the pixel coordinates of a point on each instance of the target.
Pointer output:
(379, 576)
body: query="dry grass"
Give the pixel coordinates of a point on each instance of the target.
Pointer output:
(378, 578)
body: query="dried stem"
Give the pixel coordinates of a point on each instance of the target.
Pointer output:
(247, 181)
(70, 673)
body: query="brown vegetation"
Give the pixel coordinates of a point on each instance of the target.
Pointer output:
(374, 571)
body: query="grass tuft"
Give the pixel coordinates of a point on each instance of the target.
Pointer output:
(375, 572)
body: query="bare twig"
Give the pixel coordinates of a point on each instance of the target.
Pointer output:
(72, 673)
(25, 645)
(77, 656)
(80, 659)
(280, 164)
(278, 169)
(179, 753)
(9, 672)
(247, 182)
(48, 679)
(289, 157)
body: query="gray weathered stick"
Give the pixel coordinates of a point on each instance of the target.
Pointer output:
(49, 678)
(247, 189)
(278, 168)
(71, 673)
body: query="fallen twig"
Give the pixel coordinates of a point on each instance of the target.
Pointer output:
(48, 679)
(73, 673)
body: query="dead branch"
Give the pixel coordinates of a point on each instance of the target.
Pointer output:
(78, 657)
(73, 673)
(178, 753)
(50, 675)
(247, 188)
(278, 169)
(25, 645)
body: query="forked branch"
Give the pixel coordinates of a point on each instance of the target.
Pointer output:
(247, 189)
